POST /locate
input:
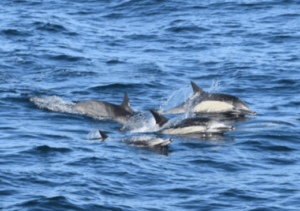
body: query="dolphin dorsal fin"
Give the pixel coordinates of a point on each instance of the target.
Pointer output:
(160, 119)
(197, 89)
(126, 103)
(103, 135)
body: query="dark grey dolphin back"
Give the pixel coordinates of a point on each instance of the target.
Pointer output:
(126, 104)
(160, 119)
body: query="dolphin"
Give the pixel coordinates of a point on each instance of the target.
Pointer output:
(212, 104)
(190, 126)
(143, 141)
(118, 113)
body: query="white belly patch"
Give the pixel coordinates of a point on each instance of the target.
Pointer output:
(185, 130)
(213, 107)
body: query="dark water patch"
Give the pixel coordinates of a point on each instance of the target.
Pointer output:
(267, 208)
(290, 15)
(48, 203)
(187, 29)
(50, 27)
(7, 128)
(66, 74)
(114, 15)
(115, 61)
(281, 161)
(282, 38)
(67, 58)
(14, 32)
(81, 92)
(45, 149)
(117, 86)
(8, 192)
(202, 204)
(58, 137)
(142, 37)
(241, 194)
(90, 161)
(219, 165)
(286, 82)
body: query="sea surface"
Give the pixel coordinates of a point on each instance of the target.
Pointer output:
(54, 53)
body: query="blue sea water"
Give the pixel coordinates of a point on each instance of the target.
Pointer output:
(55, 53)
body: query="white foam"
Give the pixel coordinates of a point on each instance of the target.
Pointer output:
(93, 135)
(53, 103)
(176, 98)
(141, 122)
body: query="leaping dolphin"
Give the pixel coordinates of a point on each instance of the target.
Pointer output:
(190, 126)
(118, 113)
(212, 104)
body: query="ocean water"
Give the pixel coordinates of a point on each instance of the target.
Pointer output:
(55, 53)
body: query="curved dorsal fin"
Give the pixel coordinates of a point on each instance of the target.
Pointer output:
(160, 119)
(197, 89)
(126, 105)
(103, 135)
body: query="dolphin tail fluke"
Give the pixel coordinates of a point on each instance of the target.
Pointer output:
(103, 135)
(126, 104)
(197, 89)
(160, 119)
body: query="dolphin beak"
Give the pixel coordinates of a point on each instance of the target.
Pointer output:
(248, 111)
(252, 112)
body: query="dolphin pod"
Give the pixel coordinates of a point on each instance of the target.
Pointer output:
(201, 103)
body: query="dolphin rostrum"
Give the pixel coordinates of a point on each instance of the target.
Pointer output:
(212, 104)
(118, 113)
(190, 126)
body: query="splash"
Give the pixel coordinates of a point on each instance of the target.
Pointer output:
(53, 103)
(93, 135)
(141, 122)
(137, 138)
(214, 86)
(176, 98)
